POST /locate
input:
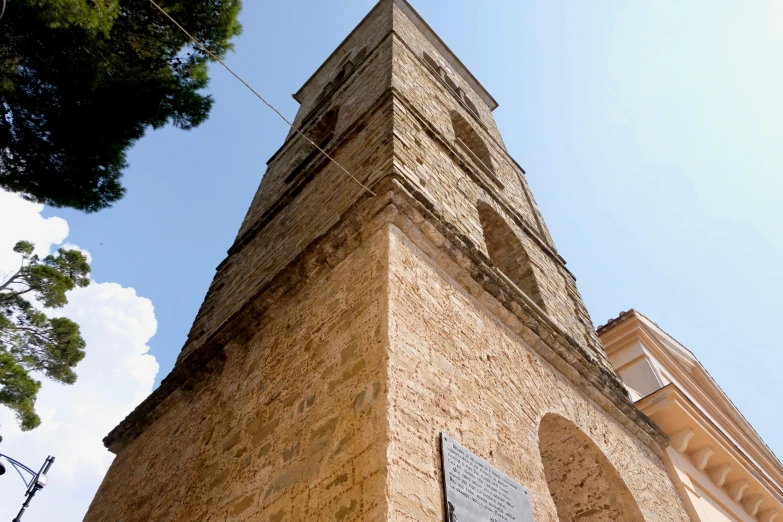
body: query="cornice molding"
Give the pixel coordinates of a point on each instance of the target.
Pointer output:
(717, 445)
(696, 384)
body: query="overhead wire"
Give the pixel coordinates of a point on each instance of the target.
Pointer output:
(235, 75)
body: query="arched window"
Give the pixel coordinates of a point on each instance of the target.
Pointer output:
(436, 68)
(321, 134)
(508, 254)
(469, 140)
(453, 86)
(471, 106)
(444, 73)
(324, 129)
(583, 483)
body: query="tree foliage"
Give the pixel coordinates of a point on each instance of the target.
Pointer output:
(81, 81)
(29, 340)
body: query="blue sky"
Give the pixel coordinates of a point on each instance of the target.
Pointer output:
(650, 133)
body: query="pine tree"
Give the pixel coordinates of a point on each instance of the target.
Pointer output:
(29, 340)
(82, 80)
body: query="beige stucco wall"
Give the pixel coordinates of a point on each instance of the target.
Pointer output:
(719, 464)
(708, 509)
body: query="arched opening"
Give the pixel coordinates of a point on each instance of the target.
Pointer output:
(469, 140)
(583, 483)
(320, 134)
(471, 106)
(324, 130)
(433, 63)
(507, 252)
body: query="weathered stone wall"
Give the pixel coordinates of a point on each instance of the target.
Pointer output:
(424, 152)
(290, 211)
(292, 425)
(307, 207)
(373, 29)
(433, 166)
(288, 214)
(454, 367)
(355, 95)
(434, 102)
(413, 78)
(360, 366)
(582, 482)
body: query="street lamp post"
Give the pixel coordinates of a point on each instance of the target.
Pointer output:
(34, 485)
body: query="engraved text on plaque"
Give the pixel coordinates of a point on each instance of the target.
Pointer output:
(477, 492)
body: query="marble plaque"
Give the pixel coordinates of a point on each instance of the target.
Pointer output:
(477, 492)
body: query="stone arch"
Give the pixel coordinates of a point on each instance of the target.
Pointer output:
(508, 253)
(584, 485)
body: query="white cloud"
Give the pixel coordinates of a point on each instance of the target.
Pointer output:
(114, 377)
(22, 220)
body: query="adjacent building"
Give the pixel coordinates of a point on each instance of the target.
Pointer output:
(717, 461)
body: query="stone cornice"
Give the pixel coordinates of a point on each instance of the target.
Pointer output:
(399, 203)
(474, 172)
(480, 178)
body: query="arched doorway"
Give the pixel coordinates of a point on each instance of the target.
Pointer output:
(583, 483)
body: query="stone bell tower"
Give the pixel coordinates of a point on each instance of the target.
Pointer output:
(348, 328)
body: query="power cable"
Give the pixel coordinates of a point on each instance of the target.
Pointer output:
(220, 60)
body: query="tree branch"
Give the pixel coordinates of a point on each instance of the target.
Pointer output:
(11, 279)
(16, 294)
(33, 331)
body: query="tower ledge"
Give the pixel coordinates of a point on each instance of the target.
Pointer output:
(399, 204)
